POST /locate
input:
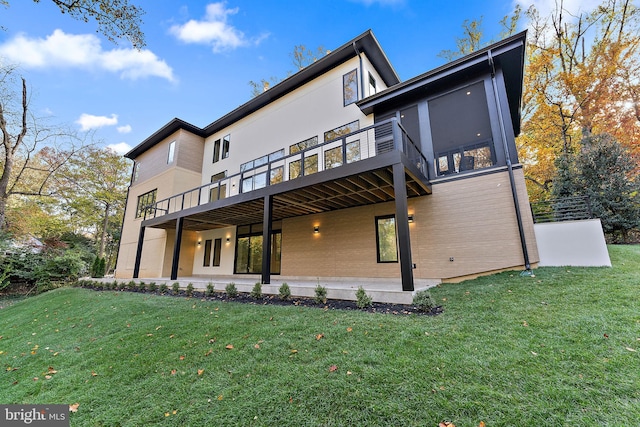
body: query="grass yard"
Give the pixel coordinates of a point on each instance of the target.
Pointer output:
(561, 348)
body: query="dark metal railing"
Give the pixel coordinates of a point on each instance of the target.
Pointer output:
(349, 148)
(562, 209)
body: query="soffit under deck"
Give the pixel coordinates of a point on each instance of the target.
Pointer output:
(366, 188)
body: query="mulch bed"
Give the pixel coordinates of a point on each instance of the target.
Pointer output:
(330, 304)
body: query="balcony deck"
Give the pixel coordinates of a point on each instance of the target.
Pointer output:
(367, 180)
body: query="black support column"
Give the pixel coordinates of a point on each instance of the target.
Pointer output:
(136, 265)
(176, 249)
(266, 239)
(402, 226)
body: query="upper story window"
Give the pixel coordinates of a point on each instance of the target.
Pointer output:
(303, 145)
(136, 171)
(216, 151)
(225, 146)
(350, 87)
(262, 160)
(461, 130)
(372, 85)
(172, 152)
(144, 201)
(341, 130)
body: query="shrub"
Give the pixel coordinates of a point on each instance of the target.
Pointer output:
(175, 288)
(152, 287)
(190, 289)
(142, 286)
(284, 292)
(210, 290)
(256, 292)
(114, 284)
(231, 290)
(321, 294)
(362, 299)
(423, 301)
(164, 288)
(132, 285)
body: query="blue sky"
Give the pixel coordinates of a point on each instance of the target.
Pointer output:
(200, 55)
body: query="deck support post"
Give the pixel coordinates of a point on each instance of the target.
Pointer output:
(402, 226)
(266, 239)
(175, 263)
(136, 265)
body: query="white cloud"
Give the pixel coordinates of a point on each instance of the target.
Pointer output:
(62, 50)
(89, 121)
(213, 30)
(120, 148)
(124, 129)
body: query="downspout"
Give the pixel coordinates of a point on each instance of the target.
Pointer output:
(361, 95)
(512, 180)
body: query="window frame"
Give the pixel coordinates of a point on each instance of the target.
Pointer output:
(378, 236)
(144, 200)
(206, 260)
(226, 142)
(217, 252)
(216, 151)
(171, 153)
(350, 84)
(373, 89)
(340, 131)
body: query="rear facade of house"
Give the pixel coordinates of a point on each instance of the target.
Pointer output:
(342, 172)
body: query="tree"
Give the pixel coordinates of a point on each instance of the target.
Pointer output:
(115, 18)
(473, 35)
(31, 152)
(93, 185)
(605, 174)
(301, 57)
(582, 76)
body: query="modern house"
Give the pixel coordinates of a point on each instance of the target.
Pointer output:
(342, 173)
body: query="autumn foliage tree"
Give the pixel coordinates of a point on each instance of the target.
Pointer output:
(583, 76)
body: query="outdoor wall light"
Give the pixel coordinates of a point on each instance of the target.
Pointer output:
(316, 229)
(410, 219)
(199, 242)
(228, 239)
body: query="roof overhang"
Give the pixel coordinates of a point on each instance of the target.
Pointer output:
(365, 43)
(507, 56)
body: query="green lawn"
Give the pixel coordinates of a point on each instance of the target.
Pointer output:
(560, 348)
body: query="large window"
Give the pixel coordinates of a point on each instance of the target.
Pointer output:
(262, 160)
(144, 202)
(310, 164)
(206, 262)
(172, 152)
(302, 145)
(341, 130)
(386, 241)
(220, 191)
(217, 252)
(249, 249)
(461, 130)
(350, 87)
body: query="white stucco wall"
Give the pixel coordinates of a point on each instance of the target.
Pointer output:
(309, 111)
(574, 243)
